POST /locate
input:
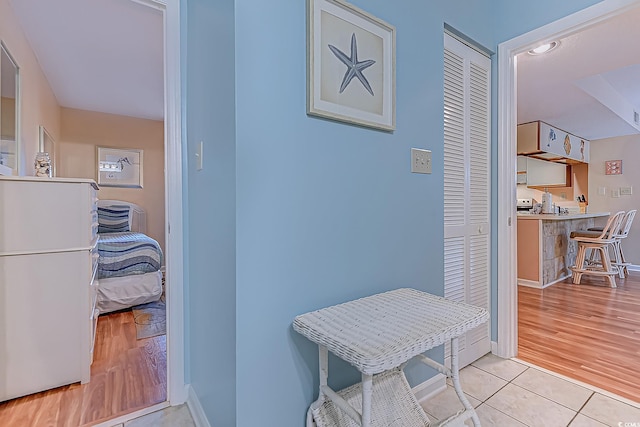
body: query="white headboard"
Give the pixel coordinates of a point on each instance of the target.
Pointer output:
(137, 215)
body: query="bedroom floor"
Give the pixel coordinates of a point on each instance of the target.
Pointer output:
(127, 374)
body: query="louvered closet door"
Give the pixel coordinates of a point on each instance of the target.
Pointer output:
(467, 187)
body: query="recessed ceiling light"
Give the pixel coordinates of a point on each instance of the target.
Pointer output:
(544, 48)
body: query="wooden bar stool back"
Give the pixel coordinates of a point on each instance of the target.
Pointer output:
(597, 241)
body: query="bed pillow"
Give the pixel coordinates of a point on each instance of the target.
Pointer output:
(113, 219)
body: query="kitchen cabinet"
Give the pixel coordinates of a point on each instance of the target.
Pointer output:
(545, 248)
(542, 173)
(543, 141)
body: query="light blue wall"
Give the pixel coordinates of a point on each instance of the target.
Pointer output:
(328, 212)
(294, 213)
(210, 268)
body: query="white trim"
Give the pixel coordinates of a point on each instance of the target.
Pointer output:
(133, 415)
(580, 383)
(176, 389)
(536, 284)
(633, 267)
(507, 256)
(197, 413)
(429, 388)
(494, 347)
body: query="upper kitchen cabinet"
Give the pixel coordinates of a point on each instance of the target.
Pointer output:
(543, 141)
(542, 173)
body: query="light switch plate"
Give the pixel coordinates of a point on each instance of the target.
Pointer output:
(615, 192)
(420, 160)
(199, 154)
(626, 191)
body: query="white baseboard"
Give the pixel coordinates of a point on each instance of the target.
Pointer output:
(197, 413)
(537, 285)
(633, 267)
(434, 385)
(494, 347)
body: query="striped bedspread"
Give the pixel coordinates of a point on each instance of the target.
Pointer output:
(124, 254)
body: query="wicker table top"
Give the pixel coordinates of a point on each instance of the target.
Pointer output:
(382, 331)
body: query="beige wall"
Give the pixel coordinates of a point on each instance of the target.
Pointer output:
(38, 103)
(627, 149)
(84, 131)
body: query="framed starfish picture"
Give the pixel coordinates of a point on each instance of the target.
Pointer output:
(350, 65)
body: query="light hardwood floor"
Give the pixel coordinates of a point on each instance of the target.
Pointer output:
(126, 375)
(588, 332)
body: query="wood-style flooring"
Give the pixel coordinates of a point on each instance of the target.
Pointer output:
(588, 332)
(126, 375)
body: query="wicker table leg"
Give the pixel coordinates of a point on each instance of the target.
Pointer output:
(367, 391)
(455, 378)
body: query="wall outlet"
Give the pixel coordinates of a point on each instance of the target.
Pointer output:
(615, 192)
(626, 191)
(602, 191)
(420, 161)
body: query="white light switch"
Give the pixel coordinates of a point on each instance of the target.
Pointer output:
(199, 156)
(420, 161)
(602, 191)
(626, 191)
(615, 192)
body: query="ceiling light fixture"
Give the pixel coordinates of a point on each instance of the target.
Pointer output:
(544, 48)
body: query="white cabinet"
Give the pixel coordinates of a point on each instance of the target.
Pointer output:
(541, 173)
(544, 141)
(48, 236)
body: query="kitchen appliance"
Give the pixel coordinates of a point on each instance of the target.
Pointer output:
(524, 205)
(547, 204)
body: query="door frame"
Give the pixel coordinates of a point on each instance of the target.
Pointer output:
(177, 390)
(507, 310)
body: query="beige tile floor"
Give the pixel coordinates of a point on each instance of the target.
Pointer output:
(508, 393)
(504, 392)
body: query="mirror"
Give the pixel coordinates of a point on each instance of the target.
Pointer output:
(9, 113)
(47, 145)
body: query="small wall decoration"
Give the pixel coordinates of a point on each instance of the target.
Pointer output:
(119, 168)
(613, 167)
(350, 65)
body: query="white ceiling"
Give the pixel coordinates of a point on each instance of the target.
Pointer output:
(107, 56)
(601, 60)
(98, 55)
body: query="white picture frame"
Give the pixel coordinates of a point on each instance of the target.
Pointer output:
(118, 167)
(350, 65)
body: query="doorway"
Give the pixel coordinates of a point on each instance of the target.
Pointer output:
(507, 344)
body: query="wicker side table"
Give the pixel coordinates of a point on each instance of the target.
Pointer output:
(378, 335)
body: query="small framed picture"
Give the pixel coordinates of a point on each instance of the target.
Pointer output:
(350, 65)
(613, 167)
(119, 168)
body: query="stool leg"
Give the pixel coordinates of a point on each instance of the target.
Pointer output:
(606, 266)
(577, 275)
(616, 252)
(622, 258)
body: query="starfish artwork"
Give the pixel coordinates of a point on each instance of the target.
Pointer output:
(354, 67)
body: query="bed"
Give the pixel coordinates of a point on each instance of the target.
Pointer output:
(130, 262)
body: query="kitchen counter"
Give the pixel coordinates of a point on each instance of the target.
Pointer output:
(545, 250)
(561, 217)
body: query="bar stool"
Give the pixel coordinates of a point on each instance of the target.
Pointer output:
(620, 260)
(597, 241)
(618, 255)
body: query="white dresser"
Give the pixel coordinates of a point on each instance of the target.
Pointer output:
(48, 260)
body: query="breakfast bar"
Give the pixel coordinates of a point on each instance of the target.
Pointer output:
(545, 251)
